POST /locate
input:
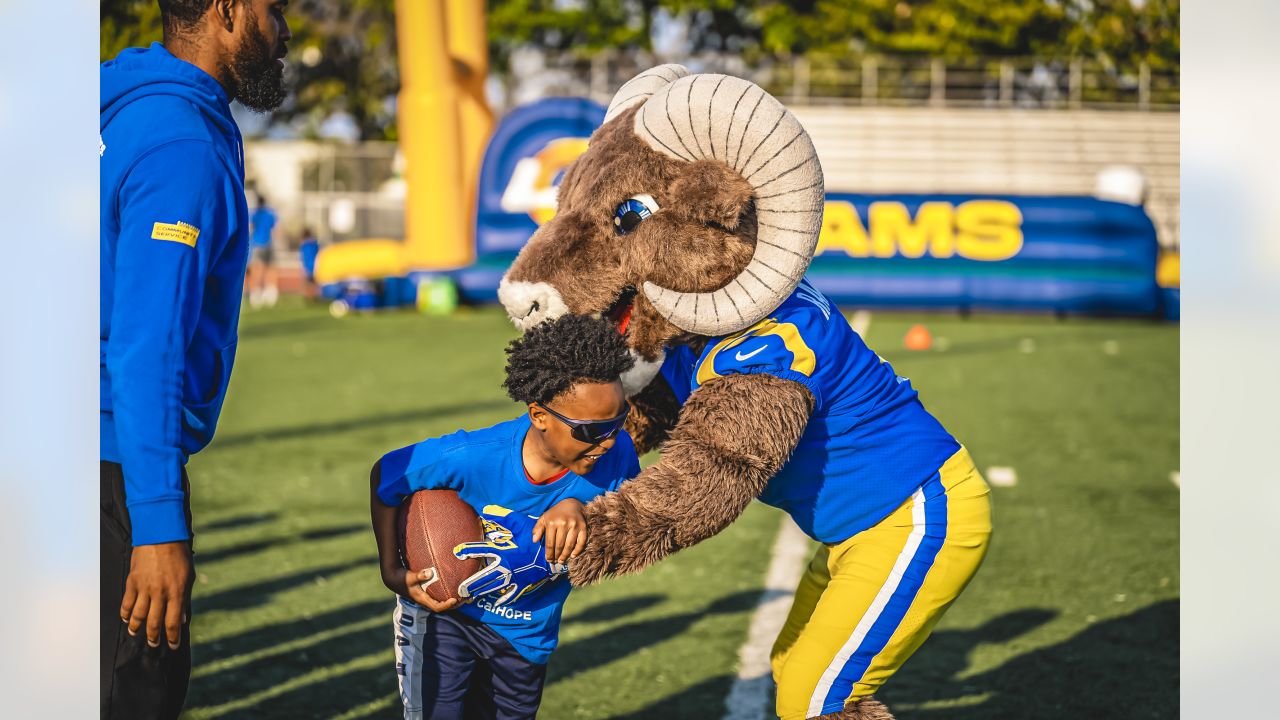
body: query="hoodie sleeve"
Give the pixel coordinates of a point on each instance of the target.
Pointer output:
(174, 216)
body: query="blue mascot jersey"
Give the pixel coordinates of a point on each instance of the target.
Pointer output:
(486, 467)
(869, 444)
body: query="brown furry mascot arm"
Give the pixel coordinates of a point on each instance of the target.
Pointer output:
(654, 412)
(734, 434)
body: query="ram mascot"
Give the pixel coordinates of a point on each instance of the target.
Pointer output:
(690, 222)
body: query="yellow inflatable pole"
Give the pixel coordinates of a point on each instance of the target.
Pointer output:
(469, 47)
(437, 234)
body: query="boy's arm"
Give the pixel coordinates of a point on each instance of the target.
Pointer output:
(386, 526)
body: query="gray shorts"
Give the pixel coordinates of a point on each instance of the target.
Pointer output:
(262, 254)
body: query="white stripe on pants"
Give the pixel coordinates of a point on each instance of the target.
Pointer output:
(409, 621)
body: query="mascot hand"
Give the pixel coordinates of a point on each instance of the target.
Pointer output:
(514, 564)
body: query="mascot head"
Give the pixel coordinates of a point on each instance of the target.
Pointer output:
(695, 211)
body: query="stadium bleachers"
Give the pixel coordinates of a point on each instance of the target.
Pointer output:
(949, 150)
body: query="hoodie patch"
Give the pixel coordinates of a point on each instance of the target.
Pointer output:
(178, 232)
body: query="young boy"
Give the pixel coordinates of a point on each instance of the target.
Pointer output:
(487, 658)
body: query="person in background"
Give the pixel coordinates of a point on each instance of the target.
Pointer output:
(263, 283)
(173, 228)
(308, 250)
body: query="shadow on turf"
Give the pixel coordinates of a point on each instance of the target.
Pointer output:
(614, 609)
(704, 700)
(619, 642)
(256, 594)
(1124, 667)
(331, 697)
(347, 424)
(275, 668)
(236, 522)
(257, 639)
(254, 546)
(357, 688)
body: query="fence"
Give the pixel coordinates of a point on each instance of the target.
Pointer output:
(868, 80)
(353, 191)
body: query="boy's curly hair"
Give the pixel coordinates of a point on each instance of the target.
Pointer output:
(554, 356)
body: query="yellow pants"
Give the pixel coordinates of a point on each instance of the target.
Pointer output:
(866, 604)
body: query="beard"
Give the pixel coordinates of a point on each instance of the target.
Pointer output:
(259, 79)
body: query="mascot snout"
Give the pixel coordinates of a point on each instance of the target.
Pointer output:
(529, 303)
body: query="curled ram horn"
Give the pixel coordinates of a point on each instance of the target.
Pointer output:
(732, 120)
(643, 86)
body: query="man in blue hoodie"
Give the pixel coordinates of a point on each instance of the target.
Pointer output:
(174, 246)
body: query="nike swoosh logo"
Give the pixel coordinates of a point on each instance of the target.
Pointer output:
(740, 357)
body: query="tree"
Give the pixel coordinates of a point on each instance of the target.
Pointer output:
(584, 27)
(342, 58)
(127, 23)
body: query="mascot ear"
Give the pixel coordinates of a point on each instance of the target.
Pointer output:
(708, 191)
(642, 87)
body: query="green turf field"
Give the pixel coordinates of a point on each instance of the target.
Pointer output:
(1074, 613)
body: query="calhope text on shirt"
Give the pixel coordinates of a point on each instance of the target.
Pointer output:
(506, 612)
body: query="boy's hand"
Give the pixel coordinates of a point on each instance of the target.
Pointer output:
(408, 583)
(565, 529)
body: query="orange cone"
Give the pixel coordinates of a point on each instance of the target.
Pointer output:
(918, 338)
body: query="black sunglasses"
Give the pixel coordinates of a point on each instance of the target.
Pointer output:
(592, 432)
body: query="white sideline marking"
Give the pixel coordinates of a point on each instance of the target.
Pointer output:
(860, 321)
(1002, 476)
(1027, 346)
(1175, 477)
(749, 697)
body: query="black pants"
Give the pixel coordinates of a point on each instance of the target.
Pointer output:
(452, 667)
(138, 682)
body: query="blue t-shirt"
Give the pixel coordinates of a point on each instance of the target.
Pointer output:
(486, 467)
(869, 444)
(263, 221)
(307, 252)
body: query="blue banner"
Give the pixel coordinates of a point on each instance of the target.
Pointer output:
(1002, 252)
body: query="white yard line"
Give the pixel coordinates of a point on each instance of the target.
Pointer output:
(860, 321)
(1002, 476)
(749, 697)
(1175, 477)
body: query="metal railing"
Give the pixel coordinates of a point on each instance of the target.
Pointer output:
(353, 177)
(868, 80)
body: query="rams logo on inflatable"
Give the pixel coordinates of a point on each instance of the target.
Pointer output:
(536, 179)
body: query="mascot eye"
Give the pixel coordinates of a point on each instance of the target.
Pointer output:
(629, 213)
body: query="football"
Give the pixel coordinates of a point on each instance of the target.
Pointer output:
(432, 524)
